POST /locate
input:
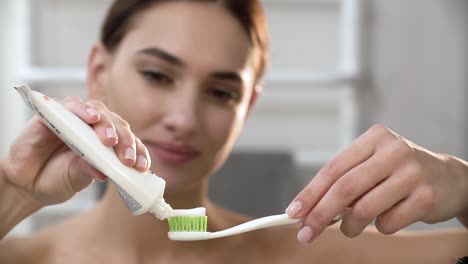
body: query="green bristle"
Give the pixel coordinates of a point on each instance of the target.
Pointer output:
(188, 223)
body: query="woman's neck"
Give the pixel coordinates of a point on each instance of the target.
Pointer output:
(146, 235)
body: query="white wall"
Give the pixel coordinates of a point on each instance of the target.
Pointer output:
(417, 58)
(12, 112)
(5, 16)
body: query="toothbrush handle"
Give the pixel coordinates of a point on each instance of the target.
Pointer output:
(264, 222)
(259, 223)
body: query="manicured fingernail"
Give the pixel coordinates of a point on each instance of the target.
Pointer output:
(294, 208)
(110, 132)
(92, 111)
(130, 153)
(305, 234)
(142, 162)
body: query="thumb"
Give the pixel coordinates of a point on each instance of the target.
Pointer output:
(81, 174)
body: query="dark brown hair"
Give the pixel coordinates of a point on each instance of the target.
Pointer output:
(249, 14)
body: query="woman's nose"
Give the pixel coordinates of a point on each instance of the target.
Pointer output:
(180, 117)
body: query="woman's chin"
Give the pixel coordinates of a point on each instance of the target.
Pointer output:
(180, 185)
(179, 178)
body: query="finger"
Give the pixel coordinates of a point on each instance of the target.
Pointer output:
(81, 174)
(126, 147)
(42, 140)
(358, 152)
(406, 212)
(38, 141)
(143, 161)
(379, 200)
(105, 128)
(353, 185)
(35, 145)
(339, 217)
(346, 190)
(86, 112)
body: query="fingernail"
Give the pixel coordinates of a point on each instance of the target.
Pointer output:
(142, 162)
(110, 132)
(294, 208)
(92, 111)
(305, 234)
(130, 153)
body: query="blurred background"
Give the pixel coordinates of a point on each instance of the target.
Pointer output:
(338, 66)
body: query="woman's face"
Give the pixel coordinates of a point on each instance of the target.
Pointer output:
(183, 79)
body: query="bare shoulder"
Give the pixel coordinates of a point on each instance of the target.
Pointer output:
(435, 246)
(24, 250)
(280, 245)
(49, 245)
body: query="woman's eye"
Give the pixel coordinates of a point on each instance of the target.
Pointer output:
(224, 95)
(156, 77)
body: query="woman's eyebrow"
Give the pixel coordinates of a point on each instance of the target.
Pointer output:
(163, 55)
(228, 76)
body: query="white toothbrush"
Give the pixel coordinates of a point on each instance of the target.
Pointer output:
(264, 222)
(259, 223)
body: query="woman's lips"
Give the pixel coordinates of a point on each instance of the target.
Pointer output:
(172, 153)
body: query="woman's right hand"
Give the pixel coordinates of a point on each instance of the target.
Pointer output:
(42, 168)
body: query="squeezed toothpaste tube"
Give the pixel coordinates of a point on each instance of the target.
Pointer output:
(142, 192)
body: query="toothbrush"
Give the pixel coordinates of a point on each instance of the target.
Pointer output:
(185, 231)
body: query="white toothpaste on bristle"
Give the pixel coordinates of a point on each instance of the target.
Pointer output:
(198, 211)
(142, 192)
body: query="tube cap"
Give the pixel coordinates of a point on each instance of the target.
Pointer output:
(161, 209)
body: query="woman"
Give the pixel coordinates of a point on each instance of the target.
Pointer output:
(185, 75)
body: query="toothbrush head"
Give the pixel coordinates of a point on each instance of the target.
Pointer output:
(187, 223)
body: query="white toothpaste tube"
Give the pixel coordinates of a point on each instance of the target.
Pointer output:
(142, 192)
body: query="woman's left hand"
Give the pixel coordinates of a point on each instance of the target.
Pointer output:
(383, 177)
